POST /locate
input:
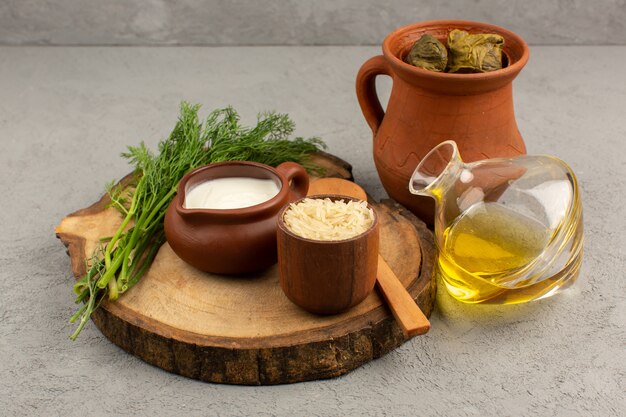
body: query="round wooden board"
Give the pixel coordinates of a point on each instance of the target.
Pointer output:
(243, 330)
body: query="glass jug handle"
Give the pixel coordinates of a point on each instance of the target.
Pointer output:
(366, 90)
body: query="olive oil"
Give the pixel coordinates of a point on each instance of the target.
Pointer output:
(509, 230)
(486, 249)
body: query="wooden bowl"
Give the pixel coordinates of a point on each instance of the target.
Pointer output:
(327, 277)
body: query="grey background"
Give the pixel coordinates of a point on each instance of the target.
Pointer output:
(294, 22)
(67, 112)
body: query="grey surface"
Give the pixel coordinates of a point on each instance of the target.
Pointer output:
(293, 22)
(66, 114)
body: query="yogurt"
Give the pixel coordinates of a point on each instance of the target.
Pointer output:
(230, 193)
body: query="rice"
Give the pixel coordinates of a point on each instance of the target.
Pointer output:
(325, 219)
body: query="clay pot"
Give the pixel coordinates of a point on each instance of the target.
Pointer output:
(327, 277)
(232, 241)
(427, 108)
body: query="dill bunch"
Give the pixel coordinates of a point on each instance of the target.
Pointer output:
(122, 259)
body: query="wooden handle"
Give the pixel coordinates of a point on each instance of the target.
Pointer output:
(366, 90)
(337, 186)
(404, 308)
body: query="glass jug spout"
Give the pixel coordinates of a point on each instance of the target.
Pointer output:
(437, 171)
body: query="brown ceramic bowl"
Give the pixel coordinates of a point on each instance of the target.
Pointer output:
(327, 277)
(232, 241)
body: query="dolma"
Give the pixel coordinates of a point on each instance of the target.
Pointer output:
(474, 53)
(428, 53)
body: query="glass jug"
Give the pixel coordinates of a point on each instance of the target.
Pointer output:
(508, 230)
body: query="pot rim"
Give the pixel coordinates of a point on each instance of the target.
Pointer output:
(510, 71)
(283, 227)
(249, 211)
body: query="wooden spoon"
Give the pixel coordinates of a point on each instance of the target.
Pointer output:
(408, 314)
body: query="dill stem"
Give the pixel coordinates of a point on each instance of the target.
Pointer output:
(145, 264)
(148, 238)
(124, 278)
(79, 312)
(130, 246)
(165, 200)
(87, 313)
(113, 292)
(129, 216)
(81, 297)
(142, 225)
(110, 272)
(83, 284)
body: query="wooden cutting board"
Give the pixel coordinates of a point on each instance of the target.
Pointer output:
(243, 330)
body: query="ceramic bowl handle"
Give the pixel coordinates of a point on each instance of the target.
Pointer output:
(366, 90)
(297, 176)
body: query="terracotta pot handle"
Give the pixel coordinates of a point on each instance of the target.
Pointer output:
(366, 90)
(297, 177)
